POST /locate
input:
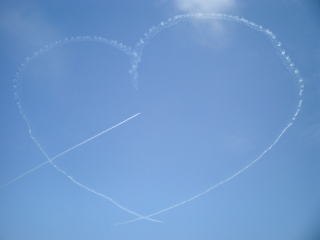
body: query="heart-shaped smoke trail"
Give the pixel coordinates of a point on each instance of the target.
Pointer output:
(136, 55)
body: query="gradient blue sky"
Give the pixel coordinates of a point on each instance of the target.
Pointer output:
(212, 96)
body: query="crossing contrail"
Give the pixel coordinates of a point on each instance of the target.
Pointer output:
(35, 168)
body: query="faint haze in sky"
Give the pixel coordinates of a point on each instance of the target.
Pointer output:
(205, 5)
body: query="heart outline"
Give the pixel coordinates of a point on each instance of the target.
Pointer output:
(137, 52)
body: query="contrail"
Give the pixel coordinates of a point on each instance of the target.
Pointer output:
(94, 137)
(35, 168)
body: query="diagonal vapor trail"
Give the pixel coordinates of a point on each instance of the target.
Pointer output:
(94, 137)
(35, 168)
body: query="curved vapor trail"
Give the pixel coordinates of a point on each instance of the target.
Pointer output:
(153, 31)
(222, 182)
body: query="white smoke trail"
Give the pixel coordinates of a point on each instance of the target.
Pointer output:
(153, 31)
(35, 168)
(136, 53)
(16, 85)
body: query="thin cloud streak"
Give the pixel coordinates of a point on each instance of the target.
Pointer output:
(35, 168)
(193, 6)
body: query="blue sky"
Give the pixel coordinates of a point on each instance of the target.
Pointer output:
(212, 96)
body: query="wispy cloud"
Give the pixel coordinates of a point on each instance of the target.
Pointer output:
(214, 33)
(192, 6)
(28, 26)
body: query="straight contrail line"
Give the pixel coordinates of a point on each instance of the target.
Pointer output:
(24, 174)
(67, 151)
(93, 137)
